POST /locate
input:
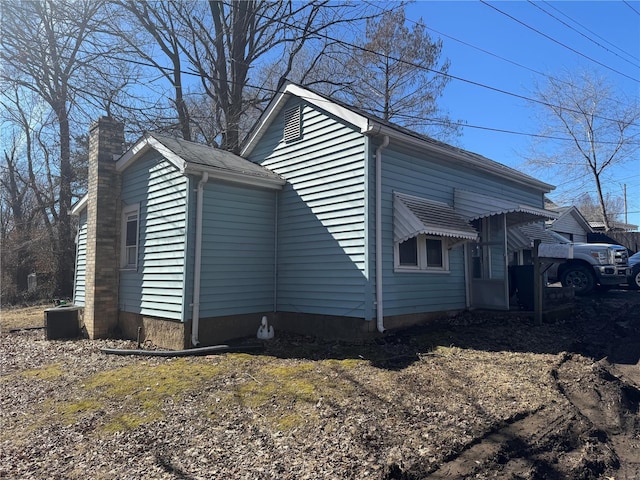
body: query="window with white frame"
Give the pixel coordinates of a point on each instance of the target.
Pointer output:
(129, 238)
(422, 253)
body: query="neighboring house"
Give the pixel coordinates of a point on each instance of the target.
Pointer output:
(331, 222)
(570, 223)
(598, 226)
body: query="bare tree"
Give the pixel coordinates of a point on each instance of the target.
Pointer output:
(51, 48)
(397, 74)
(219, 44)
(592, 211)
(150, 24)
(601, 125)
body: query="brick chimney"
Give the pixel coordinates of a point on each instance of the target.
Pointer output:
(106, 140)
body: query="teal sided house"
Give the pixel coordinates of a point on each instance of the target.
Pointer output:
(330, 223)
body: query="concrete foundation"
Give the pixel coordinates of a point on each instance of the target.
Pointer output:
(162, 332)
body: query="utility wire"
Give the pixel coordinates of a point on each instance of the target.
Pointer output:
(557, 41)
(535, 4)
(453, 77)
(590, 31)
(631, 7)
(487, 52)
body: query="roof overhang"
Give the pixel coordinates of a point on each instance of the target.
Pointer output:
(277, 103)
(142, 146)
(473, 206)
(236, 177)
(148, 143)
(415, 215)
(458, 156)
(80, 205)
(371, 127)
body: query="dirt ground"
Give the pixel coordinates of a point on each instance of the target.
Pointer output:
(491, 396)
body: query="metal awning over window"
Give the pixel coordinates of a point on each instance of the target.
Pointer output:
(414, 215)
(473, 206)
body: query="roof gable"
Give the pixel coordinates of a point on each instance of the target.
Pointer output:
(194, 158)
(573, 212)
(370, 125)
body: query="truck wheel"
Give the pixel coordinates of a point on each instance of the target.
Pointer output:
(578, 277)
(634, 282)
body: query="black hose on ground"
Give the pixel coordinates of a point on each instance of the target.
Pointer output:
(215, 349)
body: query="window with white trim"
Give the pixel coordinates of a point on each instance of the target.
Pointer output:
(129, 237)
(422, 253)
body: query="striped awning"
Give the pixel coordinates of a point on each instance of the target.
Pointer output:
(415, 215)
(473, 206)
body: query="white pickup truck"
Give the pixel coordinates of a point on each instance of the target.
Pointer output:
(586, 266)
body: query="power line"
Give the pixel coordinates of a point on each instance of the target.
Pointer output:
(557, 41)
(448, 75)
(535, 4)
(590, 31)
(487, 52)
(631, 7)
(453, 77)
(511, 132)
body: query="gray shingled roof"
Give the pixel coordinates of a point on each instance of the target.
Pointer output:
(415, 215)
(204, 155)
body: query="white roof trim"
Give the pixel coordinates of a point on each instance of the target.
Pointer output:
(370, 127)
(281, 99)
(144, 145)
(473, 206)
(80, 205)
(415, 215)
(148, 142)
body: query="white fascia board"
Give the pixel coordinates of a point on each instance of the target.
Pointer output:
(236, 177)
(80, 205)
(327, 105)
(375, 129)
(279, 101)
(144, 145)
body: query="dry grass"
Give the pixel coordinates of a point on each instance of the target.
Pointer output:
(18, 317)
(408, 404)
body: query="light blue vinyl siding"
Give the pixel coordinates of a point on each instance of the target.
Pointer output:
(322, 267)
(238, 246)
(425, 175)
(79, 288)
(156, 288)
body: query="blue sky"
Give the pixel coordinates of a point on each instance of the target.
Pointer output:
(477, 24)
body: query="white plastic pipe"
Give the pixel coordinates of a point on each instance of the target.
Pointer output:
(379, 305)
(195, 320)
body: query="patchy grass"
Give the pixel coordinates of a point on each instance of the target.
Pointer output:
(47, 372)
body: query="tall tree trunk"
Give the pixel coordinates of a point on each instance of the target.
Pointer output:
(65, 251)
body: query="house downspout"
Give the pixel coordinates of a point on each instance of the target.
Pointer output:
(195, 320)
(379, 306)
(275, 256)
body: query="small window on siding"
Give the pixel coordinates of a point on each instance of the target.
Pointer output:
(408, 252)
(422, 253)
(129, 237)
(434, 253)
(292, 124)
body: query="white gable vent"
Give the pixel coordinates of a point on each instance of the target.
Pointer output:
(292, 124)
